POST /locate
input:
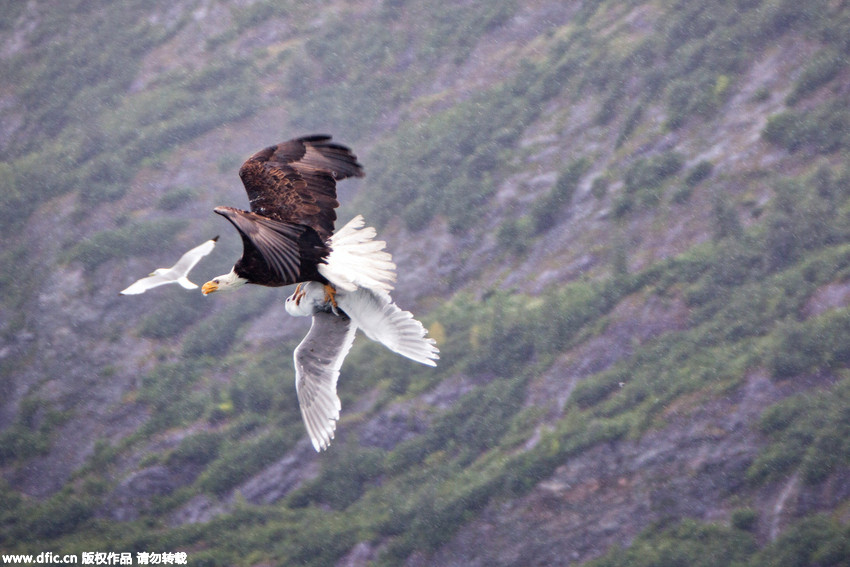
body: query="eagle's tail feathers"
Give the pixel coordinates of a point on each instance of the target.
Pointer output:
(357, 260)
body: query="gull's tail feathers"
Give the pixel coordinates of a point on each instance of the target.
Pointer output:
(385, 322)
(357, 260)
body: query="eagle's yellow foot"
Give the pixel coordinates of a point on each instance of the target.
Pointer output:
(330, 296)
(298, 295)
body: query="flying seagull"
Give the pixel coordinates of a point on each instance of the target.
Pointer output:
(292, 192)
(363, 274)
(319, 357)
(175, 274)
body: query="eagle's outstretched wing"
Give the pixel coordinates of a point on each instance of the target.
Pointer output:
(295, 181)
(317, 362)
(273, 247)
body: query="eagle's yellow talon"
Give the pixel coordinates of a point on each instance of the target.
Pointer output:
(330, 295)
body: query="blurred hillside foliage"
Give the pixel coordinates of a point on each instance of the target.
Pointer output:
(90, 118)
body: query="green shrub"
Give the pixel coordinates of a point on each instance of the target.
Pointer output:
(623, 205)
(652, 172)
(515, 234)
(19, 443)
(695, 176)
(346, 474)
(171, 392)
(823, 129)
(815, 540)
(61, 514)
(821, 69)
(817, 344)
(590, 392)
(215, 334)
(644, 180)
(688, 98)
(547, 210)
(630, 125)
(809, 431)
(726, 222)
(784, 129)
(745, 519)
(599, 186)
(699, 173)
(240, 460)
(197, 449)
(133, 239)
(177, 198)
(10, 197)
(689, 543)
(12, 293)
(173, 315)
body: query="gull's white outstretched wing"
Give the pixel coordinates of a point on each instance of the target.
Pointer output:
(319, 356)
(191, 258)
(176, 273)
(317, 362)
(385, 322)
(144, 284)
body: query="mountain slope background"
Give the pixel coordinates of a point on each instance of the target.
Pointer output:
(626, 224)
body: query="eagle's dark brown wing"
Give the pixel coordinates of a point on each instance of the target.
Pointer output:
(295, 181)
(275, 253)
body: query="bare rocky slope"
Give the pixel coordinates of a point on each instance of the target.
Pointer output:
(626, 224)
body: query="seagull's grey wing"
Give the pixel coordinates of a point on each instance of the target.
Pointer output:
(145, 284)
(317, 362)
(383, 321)
(190, 259)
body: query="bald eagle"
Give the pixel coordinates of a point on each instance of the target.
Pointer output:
(344, 278)
(292, 192)
(178, 273)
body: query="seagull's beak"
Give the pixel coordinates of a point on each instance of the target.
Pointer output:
(209, 287)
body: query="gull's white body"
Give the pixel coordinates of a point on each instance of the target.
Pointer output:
(319, 357)
(178, 273)
(362, 274)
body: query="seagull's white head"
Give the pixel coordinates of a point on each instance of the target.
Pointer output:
(223, 283)
(308, 298)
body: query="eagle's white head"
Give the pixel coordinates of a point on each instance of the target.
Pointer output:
(223, 283)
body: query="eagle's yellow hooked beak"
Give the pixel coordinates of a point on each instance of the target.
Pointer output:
(209, 287)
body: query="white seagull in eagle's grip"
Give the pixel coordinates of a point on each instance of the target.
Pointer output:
(362, 273)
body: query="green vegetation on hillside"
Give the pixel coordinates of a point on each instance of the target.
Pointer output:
(87, 129)
(746, 290)
(746, 310)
